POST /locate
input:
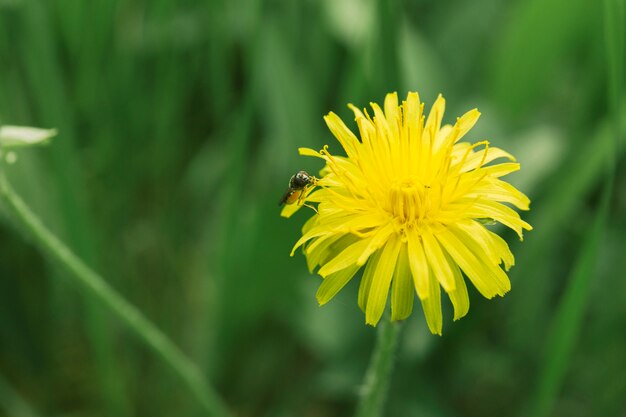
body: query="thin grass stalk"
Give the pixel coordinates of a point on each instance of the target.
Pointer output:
(98, 288)
(44, 73)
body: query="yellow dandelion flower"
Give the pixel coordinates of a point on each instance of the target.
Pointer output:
(408, 203)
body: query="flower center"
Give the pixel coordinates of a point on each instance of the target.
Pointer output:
(408, 200)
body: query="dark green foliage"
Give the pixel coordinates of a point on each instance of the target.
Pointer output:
(179, 126)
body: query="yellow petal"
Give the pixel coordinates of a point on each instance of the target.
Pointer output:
(498, 190)
(366, 279)
(458, 152)
(402, 292)
(322, 194)
(318, 250)
(345, 258)
(348, 141)
(412, 111)
(382, 127)
(334, 283)
(342, 223)
(483, 157)
(473, 244)
(493, 210)
(381, 146)
(418, 265)
(438, 262)
(453, 134)
(465, 123)
(321, 250)
(367, 130)
(310, 152)
(442, 136)
(392, 113)
(483, 278)
(377, 241)
(494, 246)
(379, 290)
(345, 174)
(289, 210)
(413, 127)
(482, 236)
(432, 306)
(434, 118)
(458, 296)
(502, 248)
(310, 223)
(499, 170)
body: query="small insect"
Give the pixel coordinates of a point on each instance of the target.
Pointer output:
(298, 186)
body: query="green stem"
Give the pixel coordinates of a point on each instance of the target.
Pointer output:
(97, 287)
(378, 375)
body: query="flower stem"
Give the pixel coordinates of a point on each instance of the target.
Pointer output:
(378, 375)
(96, 287)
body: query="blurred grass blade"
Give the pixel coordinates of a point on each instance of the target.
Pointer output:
(566, 324)
(98, 288)
(532, 57)
(387, 75)
(12, 402)
(44, 72)
(559, 209)
(614, 38)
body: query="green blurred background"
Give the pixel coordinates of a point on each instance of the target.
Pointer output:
(179, 126)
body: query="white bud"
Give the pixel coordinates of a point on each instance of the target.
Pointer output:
(19, 136)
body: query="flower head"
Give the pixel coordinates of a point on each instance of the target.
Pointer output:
(409, 203)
